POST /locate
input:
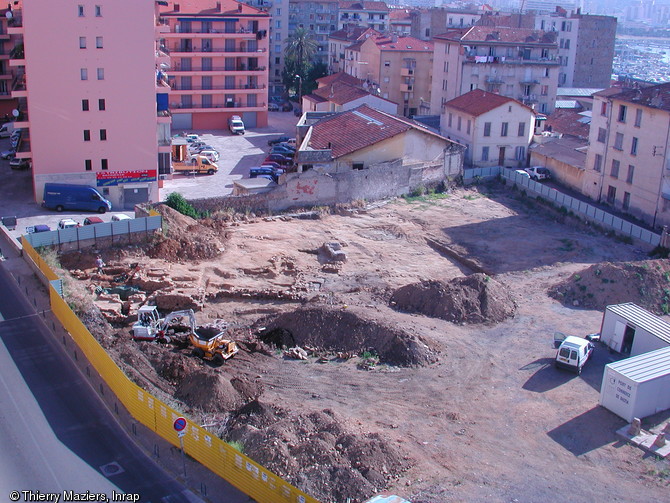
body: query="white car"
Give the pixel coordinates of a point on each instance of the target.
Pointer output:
(67, 223)
(120, 216)
(212, 155)
(573, 353)
(522, 172)
(538, 173)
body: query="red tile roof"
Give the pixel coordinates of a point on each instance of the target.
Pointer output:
(339, 77)
(499, 34)
(654, 97)
(353, 130)
(209, 7)
(568, 122)
(478, 102)
(352, 33)
(340, 93)
(354, 5)
(400, 14)
(386, 43)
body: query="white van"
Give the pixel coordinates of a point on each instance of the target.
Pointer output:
(236, 125)
(573, 353)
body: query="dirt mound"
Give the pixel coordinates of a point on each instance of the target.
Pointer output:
(186, 239)
(209, 391)
(316, 453)
(471, 299)
(345, 330)
(646, 283)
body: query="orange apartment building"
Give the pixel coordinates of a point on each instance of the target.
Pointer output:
(7, 103)
(399, 68)
(219, 54)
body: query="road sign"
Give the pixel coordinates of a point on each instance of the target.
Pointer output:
(181, 433)
(179, 424)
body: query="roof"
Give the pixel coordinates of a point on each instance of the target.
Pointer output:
(577, 91)
(655, 96)
(314, 98)
(567, 104)
(399, 15)
(403, 44)
(568, 150)
(353, 130)
(209, 7)
(642, 319)
(644, 367)
(340, 93)
(339, 77)
(351, 33)
(255, 183)
(569, 122)
(478, 102)
(498, 34)
(349, 5)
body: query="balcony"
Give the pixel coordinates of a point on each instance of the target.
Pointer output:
(15, 23)
(17, 56)
(238, 87)
(407, 72)
(235, 106)
(18, 89)
(162, 26)
(406, 88)
(529, 82)
(177, 49)
(240, 33)
(164, 116)
(494, 79)
(527, 98)
(242, 69)
(472, 58)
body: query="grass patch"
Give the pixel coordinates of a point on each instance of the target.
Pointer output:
(237, 445)
(177, 202)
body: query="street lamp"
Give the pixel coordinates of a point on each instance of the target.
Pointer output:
(299, 90)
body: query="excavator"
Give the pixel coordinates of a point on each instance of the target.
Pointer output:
(208, 343)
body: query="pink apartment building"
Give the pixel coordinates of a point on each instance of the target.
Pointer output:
(7, 103)
(220, 59)
(88, 108)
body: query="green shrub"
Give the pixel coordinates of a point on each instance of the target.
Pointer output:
(237, 445)
(177, 202)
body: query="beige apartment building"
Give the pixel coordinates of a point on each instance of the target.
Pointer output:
(627, 161)
(398, 67)
(519, 63)
(373, 15)
(339, 40)
(496, 130)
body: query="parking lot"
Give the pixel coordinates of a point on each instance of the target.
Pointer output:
(237, 154)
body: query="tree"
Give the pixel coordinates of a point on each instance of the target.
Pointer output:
(317, 71)
(300, 50)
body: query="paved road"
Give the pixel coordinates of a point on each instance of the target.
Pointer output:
(56, 433)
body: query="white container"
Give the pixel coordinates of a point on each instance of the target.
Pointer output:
(632, 330)
(638, 386)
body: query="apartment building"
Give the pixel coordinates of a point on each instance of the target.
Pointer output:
(220, 59)
(7, 79)
(318, 16)
(400, 22)
(585, 46)
(278, 11)
(399, 67)
(627, 160)
(496, 130)
(426, 23)
(90, 114)
(519, 63)
(370, 14)
(339, 40)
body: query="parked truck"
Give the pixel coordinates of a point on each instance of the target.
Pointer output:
(197, 164)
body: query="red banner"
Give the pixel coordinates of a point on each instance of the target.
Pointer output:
(109, 178)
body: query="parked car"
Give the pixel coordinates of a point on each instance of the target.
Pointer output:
(276, 141)
(288, 145)
(210, 154)
(573, 353)
(93, 220)
(20, 163)
(273, 107)
(283, 151)
(192, 137)
(120, 216)
(522, 173)
(236, 125)
(270, 164)
(279, 159)
(538, 173)
(37, 228)
(8, 154)
(67, 223)
(265, 170)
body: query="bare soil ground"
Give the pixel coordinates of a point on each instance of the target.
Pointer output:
(416, 380)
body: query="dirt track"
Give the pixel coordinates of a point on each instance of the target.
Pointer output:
(490, 420)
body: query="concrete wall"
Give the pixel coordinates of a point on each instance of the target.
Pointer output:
(564, 173)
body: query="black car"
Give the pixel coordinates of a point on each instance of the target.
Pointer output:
(264, 171)
(283, 151)
(281, 139)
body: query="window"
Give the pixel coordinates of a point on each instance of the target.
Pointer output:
(101, 104)
(468, 129)
(638, 117)
(485, 153)
(603, 108)
(98, 11)
(84, 105)
(103, 134)
(544, 90)
(631, 173)
(520, 154)
(98, 42)
(278, 24)
(387, 63)
(611, 194)
(618, 141)
(101, 74)
(522, 128)
(88, 165)
(82, 42)
(615, 168)
(80, 10)
(358, 165)
(602, 134)
(104, 164)
(633, 147)
(598, 162)
(622, 113)
(626, 200)
(84, 74)
(487, 129)
(458, 124)
(503, 129)
(567, 43)
(87, 135)
(450, 119)
(444, 85)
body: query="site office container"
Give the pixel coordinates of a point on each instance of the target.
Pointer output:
(631, 330)
(638, 386)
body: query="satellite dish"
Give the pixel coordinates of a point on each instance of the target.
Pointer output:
(16, 113)
(9, 14)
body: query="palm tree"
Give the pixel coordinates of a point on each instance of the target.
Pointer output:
(301, 47)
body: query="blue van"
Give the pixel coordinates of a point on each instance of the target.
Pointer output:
(62, 196)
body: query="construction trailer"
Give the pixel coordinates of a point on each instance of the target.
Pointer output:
(638, 386)
(632, 330)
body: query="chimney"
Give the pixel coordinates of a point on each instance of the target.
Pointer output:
(218, 6)
(394, 38)
(239, 7)
(176, 7)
